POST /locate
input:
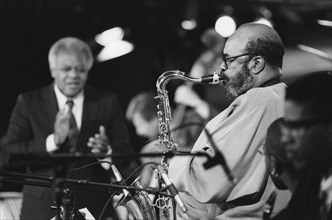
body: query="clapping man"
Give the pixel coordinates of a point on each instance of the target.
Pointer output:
(67, 116)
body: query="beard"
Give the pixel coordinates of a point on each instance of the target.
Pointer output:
(239, 85)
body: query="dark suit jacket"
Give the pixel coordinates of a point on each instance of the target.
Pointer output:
(32, 121)
(305, 203)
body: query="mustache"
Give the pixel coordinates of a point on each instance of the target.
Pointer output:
(223, 76)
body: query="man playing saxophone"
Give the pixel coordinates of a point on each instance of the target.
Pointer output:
(251, 71)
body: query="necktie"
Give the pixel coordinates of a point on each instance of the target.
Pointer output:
(73, 130)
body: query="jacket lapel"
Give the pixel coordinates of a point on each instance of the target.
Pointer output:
(89, 115)
(50, 106)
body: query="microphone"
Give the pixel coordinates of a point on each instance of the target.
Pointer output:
(212, 79)
(268, 209)
(119, 179)
(217, 159)
(172, 189)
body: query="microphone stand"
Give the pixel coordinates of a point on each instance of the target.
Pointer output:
(64, 195)
(33, 158)
(16, 177)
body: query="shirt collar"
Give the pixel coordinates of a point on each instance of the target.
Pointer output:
(61, 98)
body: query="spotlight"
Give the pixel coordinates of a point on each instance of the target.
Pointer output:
(109, 36)
(189, 24)
(264, 16)
(114, 45)
(265, 12)
(114, 49)
(264, 21)
(225, 26)
(326, 23)
(190, 15)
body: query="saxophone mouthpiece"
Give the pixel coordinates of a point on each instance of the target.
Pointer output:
(212, 79)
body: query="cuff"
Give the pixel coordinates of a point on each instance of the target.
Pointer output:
(50, 144)
(106, 165)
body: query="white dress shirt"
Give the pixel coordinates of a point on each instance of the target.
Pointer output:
(77, 112)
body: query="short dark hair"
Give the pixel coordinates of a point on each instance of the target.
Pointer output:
(315, 91)
(272, 51)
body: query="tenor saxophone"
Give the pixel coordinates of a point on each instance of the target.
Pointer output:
(165, 205)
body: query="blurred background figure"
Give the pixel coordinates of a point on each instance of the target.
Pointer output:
(10, 193)
(64, 117)
(191, 104)
(307, 140)
(283, 176)
(210, 59)
(278, 165)
(142, 114)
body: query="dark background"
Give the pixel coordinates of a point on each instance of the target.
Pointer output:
(29, 27)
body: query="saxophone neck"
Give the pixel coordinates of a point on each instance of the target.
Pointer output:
(164, 78)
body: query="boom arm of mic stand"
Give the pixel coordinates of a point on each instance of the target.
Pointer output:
(123, 155)
(32, 157)
(48, 180)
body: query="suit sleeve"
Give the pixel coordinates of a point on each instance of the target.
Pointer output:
(118, 133)
(20, 137)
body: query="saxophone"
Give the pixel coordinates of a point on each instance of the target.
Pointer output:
(139, 205)
(164, 204)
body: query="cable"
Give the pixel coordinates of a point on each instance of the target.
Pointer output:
(105, 206)
(128, 177)
(138, 168)
(217, 159)
(88, 165)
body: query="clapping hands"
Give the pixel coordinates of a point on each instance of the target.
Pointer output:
(99, 143)
(61, 126)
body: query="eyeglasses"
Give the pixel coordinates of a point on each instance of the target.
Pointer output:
(229, 60)
(303, 123)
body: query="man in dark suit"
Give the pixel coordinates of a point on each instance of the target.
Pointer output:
(67, 116)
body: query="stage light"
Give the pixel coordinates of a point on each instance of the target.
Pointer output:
(225, 26)
(114, 49)
(316, 52)
(107, 37)
(325, 23)
(113, 44)
(264, 16)
(265, 12)
(264, 21)
(190, 15)
(189, 24)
